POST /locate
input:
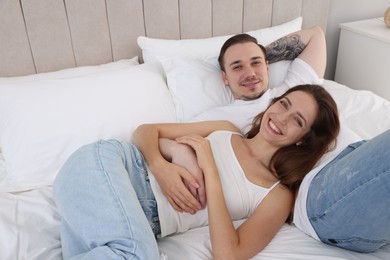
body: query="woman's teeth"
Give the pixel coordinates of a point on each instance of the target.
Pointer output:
(274, 127)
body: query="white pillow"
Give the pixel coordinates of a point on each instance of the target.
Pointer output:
(197, 86)
(73, 72)
(364, 112)
(42, 122)
(208, 48)
(68, 73)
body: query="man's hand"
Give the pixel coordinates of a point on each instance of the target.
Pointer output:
(182, 180)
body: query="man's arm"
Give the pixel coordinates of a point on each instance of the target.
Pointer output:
(308, 45)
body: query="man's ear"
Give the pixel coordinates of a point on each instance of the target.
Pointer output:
(224, 78)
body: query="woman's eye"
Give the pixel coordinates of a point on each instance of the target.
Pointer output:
(299, 122)
(283, 103)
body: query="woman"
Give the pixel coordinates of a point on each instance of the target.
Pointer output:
(108, 206)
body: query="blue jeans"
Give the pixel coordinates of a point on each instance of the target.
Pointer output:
(108, 210)
(348, 201)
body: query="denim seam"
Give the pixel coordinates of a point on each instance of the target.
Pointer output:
(338, 240)
(140, 161)
(114, 192)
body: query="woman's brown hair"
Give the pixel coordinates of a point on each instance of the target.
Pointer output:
(293, 162)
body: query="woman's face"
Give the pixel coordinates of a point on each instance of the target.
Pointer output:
(289, 119)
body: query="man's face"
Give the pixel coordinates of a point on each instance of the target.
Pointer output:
(246, 71)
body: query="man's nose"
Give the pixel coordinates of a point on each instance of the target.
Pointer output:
(249, 71)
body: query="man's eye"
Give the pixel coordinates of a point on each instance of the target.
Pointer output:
(236, 67)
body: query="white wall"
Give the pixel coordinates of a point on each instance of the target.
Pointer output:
(342, 11)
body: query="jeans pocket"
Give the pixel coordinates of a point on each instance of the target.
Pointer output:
(138, 160)
(357, 244)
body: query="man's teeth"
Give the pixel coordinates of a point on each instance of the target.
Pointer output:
(274, 127)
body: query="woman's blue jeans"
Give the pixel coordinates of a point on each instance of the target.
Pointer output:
(107, 207)
(348, 202)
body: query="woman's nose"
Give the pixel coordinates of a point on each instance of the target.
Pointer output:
(283, 118)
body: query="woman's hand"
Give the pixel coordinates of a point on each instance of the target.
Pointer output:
(171, 178)
(183, 155)
(180, 177)
(202, 149)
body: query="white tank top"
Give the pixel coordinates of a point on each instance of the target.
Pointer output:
(241, 196)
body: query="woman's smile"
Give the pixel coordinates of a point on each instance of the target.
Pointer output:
(274, 128)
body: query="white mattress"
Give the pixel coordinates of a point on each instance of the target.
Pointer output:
(30, 222)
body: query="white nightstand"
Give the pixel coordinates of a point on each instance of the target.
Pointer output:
(363, 60)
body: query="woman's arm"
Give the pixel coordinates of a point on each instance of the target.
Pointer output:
(170, 176)
(257, 231)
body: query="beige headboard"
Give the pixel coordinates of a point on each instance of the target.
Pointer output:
(46, 35)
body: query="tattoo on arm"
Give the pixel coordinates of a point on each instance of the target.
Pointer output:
(286, 48)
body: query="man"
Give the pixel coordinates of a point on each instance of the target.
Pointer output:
(242, 50)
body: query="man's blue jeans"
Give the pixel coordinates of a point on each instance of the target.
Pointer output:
(107, 207)
(348, 201)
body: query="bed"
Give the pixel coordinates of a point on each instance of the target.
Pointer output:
(73, 72)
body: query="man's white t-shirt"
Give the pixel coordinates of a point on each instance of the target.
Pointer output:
(241, 113)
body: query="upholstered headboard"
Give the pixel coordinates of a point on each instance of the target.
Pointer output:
(46, 35)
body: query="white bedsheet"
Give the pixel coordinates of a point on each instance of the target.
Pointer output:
(30, 222)
(30, 226)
